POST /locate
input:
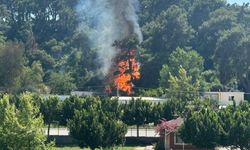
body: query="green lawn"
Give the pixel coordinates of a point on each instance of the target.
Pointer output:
(77, 148)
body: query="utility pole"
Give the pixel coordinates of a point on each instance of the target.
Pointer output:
(117, 91)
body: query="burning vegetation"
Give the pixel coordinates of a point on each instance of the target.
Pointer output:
(125, 70)
(116, 34)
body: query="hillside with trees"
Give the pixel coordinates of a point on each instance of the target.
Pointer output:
(44, 50)
(188, 47)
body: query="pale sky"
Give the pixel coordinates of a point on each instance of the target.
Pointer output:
(238, 1)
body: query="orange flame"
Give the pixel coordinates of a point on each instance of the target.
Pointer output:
(128, 70)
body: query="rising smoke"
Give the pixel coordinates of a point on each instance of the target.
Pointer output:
(111, 20)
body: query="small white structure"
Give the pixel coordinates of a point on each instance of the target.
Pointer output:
(61, 97)
(81, 93)
(124, 99)
(225, 98)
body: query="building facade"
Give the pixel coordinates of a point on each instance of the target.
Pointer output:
(225, 98)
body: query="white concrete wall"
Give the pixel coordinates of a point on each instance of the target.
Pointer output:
(225, 98)
(124, 99)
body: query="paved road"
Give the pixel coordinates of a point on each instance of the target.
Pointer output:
(130, 133)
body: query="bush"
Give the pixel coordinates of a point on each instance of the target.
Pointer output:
(21, 128)
(96, 127)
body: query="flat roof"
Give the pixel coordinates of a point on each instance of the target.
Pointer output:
(128, 98)
(221, 92)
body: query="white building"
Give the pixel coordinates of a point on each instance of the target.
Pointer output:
(61, 97)
(81, 93)
(225, 98)
(124, 99)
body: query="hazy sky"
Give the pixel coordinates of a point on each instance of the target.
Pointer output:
(238, 1)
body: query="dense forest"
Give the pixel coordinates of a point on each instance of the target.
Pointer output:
(45, 46)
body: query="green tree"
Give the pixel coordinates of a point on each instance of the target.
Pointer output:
(209, 32)
(22, 127)
(50, 109)
(191, 61)
(136, 112)
(31, 79)
(3, 18)
(112, 107)
(11, 65)
(46, 60)
(169, 30)
(235, 122)
(114, 132)
(56, 17)
(161, 34)
(83, 124)
(160, 111)
(61, 83)
(226, 119)
(50, 34)
(204, 125)
(96, 128)
(155, 114)
(181, 87)
(69, 106)
(211, 80)
(112, 123)
(239, 133)
(200, 9)
(169, 110)
(2, 38)
(230, 39)
(235, 67)
(55, 48)
(151, 9)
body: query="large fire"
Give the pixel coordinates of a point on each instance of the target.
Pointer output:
(127, 70)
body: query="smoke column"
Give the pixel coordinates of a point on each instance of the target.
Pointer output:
(110, 20)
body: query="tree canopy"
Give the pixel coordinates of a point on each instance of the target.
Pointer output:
(21, 126)
(46, 47)
(97, 126)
